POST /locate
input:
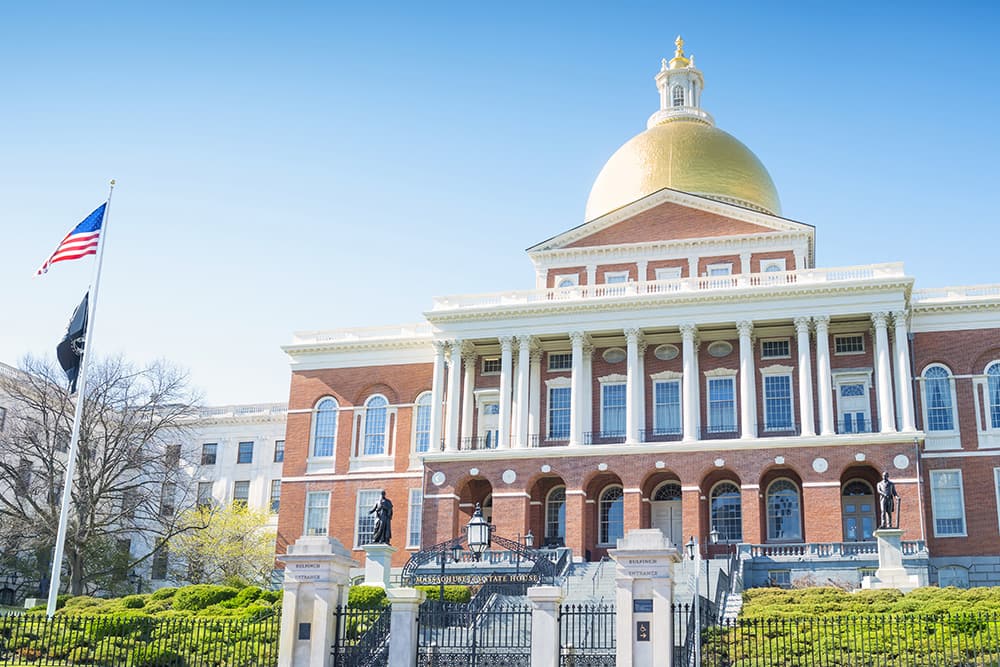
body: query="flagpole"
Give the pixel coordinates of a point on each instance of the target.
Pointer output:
(81, 390)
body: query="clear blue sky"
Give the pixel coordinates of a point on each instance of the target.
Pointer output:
(312, 166)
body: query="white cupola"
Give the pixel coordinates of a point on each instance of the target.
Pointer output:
(680, 85)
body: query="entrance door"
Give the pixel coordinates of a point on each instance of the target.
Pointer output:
(489, 425)
(853, 405)
(858, 510)
(666, 512)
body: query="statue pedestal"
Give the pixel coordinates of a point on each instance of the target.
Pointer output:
(890, 572)
(378, 564)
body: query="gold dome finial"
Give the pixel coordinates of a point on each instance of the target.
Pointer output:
(679, 60)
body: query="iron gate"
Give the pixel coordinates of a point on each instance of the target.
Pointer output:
(458, 635)
(361, 637)
(587, 635)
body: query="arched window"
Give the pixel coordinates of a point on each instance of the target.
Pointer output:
(677, 96)
(727, 512)
(422, 423)
(993, 384)
(325, 428)
(611, 518)
(938, 399)
(375, 426)
(555, 515)
(784, 516)
(667, 491)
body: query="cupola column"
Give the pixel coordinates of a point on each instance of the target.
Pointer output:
(454, 391)
(883, 376)
(904, 393)
(468, 391)
(824, 377)
(576, 407)
(506, 371)
(633, 387)
(535, 400)
(805, 377)
(523, 370)
(748, 385)
(437, 393)
(689, 382)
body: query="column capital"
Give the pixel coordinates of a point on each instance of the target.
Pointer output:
(456, 347)
(744, 328)
(577, 337)
(633, 334)
(899, 317)
(525, 341)
(821, 321)
(802, 324)
(535, 354)
(468, 352)
(880, 319)
(440, 346)
(689, 331)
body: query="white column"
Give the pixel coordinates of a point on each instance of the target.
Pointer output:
(403, 638)
(904, 387)
(642, 267)
(800, 259)
(883, 383)
(468, 393)
(587, 411)
(632, 386)
(506, 362)
(523, 380)
(535, 399)
(692, 267)
(454, 393)
(805, 377)
(642, 388)
(690, 402)
(576, 389)
(437, 394)
(591, 274)
(745, 263)
(748, 385)
(545, 625)
(824, 378)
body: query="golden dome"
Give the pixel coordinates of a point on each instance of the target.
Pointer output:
(686, 155)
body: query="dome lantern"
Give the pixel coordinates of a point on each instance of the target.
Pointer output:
(680, 85)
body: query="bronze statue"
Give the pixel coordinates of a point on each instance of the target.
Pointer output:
(383, 520)
(886, 501)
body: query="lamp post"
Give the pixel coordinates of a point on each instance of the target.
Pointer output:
(694, 553)
(477, 534)
(456, 555)
(135, 580)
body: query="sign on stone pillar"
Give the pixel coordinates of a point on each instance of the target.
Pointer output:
(644, 593)
(316, 581)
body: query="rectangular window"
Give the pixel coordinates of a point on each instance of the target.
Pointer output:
(491, 365)
(613, 409)
(279, 451)
(776, 348)
(3, 418)
(422, 429)
(275, 495)
(668, 273)
(173, 456)
(317, 512)
(667, 407)
(245, 453)
(721, 405)
(853, 344)
(364, 522)
(24, 469)
(209, 451)
(615, 277)
(560, 361)
(947, 503)
(167, 493)
(158, 569)
(205, 494)
(777, 402)
(720, 269)
(780, 578)
(559, 409)
(416, 511)
(241, 493)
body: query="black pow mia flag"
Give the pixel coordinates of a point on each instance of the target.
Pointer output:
(69, 351)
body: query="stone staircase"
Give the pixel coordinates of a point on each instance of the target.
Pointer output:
(589, 583)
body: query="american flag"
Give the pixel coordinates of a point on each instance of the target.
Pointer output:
(80, 242)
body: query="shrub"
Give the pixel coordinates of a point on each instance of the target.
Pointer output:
(200, 596)
(134, 601)
(163, 593)
(451, 593)
(366, 597)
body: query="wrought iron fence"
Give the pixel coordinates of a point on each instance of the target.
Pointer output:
(587, 635)
(361, 637)
(116, 641)
(459, 635)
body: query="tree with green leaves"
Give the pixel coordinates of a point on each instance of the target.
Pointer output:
(235, 544)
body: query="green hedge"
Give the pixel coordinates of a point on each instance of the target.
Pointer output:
(201, 600)
(451, 593)
(830, 601)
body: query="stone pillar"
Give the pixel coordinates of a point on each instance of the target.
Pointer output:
(545, 635)
(576, 528)
(535, 400)
(805, 377)
(644, 576)
(523, 389)
(454, 393)
(904, 387)
(468, 392)
(642, 389)
(587, 412)
(378, 564)
(403, 638)
(317, 576)
(437, 394)
(748, 385)
(689, 383)
(745, 265)
(506, 371)
(890, 572)
(883, 377)
(824, 377)
(577, 390)
(633, 387)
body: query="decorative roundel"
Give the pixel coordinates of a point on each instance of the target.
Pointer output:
(901, 462)
(508, 476)
(661, 465)
(859, 457)
(437, 479)
(666, 352)
(820, 465)
(546, 468)
(720, 348)
(780, 460)
(602, 466)
(614, 355)
(473, 471)
(720, 462)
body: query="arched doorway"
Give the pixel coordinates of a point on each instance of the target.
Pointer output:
(665, 511)
(487, 507)
(857, 507)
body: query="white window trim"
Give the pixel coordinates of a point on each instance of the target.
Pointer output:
(668, 273)
(776, 340)
(767, 518)
(616, 274)
(312, 431)
(716, 374)
(779, 371)
(357, 515)
(600, 496)
(545, 512)
(779, 262)
(561, 382)
(410, 517)
(548, 361)
(413, 427)
(853, 377)
(996, 488)
(951, 438)
(864, 347)
(560, 277)
(989, 437)
(728, 266)
(961, 492)
(362, 461)
(305, 515)
(667, 377)
(482, 365)
(711, 494)
(611, 381)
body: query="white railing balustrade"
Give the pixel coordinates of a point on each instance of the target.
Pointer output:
(823, 550)
(945, 294)
(360, 334)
